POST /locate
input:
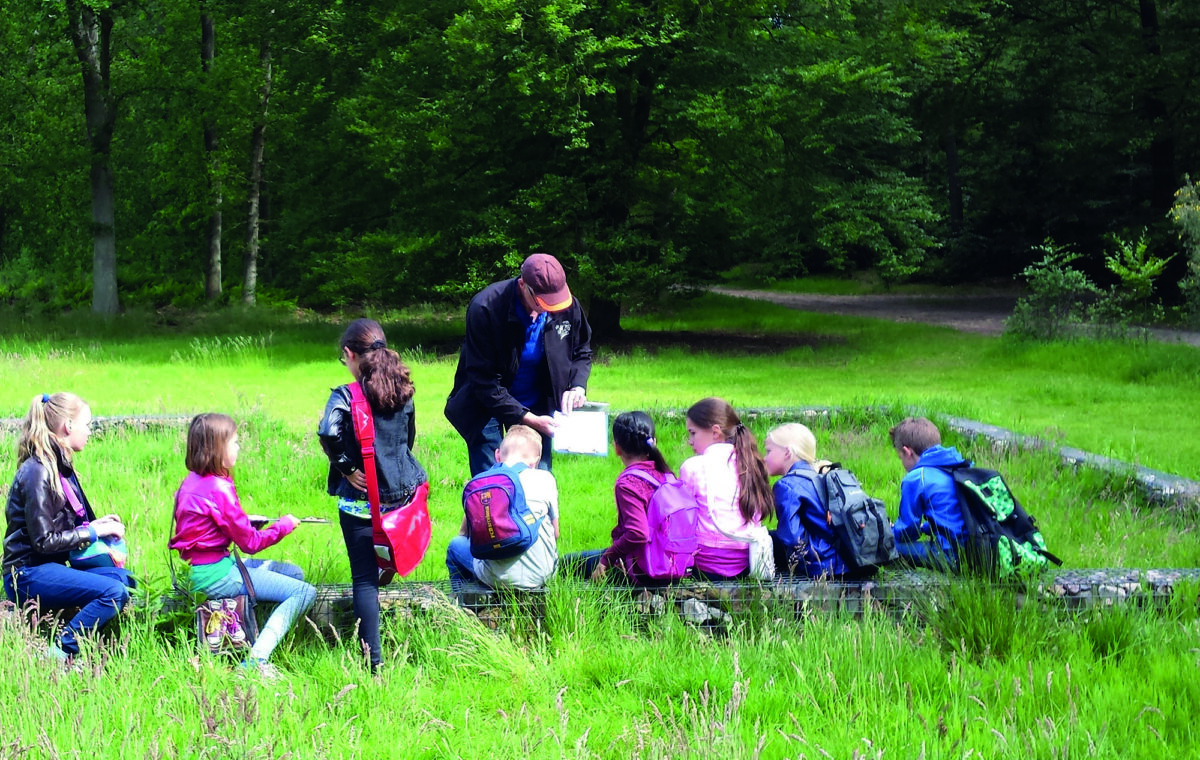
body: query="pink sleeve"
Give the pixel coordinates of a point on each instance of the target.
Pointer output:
(231, 519)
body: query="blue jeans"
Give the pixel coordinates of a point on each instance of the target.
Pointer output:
(459, 562)
(293, 595)
(928, 554)
(582, 564)
(99, 593)
(481, 448)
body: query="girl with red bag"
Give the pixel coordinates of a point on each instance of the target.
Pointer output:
(386, 383)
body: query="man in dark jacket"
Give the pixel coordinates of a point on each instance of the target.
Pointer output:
(527, 353)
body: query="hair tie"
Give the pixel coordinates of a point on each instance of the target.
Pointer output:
(377, 345)
(45, 398)
(650, 442)
(740, 428)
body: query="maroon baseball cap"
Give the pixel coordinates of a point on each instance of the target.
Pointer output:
(547, 282)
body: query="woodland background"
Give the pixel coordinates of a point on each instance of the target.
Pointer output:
(405, 151)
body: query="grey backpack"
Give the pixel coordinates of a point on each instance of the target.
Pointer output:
(859, 523)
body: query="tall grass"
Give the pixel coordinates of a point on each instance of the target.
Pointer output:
(591, 677)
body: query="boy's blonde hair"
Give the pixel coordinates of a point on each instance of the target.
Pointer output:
(522, 442)
(917, 433)
(797, 439)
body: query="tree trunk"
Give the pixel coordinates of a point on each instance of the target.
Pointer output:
(258, 141)
(91, 35)
(208, 51)
(604, 315)
(953, 185)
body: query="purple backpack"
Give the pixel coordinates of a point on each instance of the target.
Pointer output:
(672, 514)
(499, 522)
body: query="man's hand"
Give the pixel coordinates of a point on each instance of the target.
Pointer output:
(572, 399)
(541, 423)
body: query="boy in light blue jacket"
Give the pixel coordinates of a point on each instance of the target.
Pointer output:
(930, 526)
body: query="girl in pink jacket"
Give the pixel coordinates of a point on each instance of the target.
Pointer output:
(209, 517)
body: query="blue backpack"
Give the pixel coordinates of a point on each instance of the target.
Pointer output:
(500, 524)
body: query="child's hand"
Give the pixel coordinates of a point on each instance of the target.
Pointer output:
(108, 526)
(289, 522)
(358, 480)
(598, 573)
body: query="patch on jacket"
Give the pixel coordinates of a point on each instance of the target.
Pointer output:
(563, 329)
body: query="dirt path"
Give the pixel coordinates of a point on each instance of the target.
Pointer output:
(981, 314)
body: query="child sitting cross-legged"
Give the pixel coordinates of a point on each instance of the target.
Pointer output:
(533, 567)
(930, 525)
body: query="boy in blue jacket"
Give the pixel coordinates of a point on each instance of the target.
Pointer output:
(930, 525)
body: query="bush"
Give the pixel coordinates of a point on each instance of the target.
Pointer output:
(1060, 297)
(1185, 213)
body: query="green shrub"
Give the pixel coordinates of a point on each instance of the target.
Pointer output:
(1185, 213)
(1060, 297)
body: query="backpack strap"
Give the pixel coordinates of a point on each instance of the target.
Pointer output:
(364, 431)
(818, 481)
(643, 475)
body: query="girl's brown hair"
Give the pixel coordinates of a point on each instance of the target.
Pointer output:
(44, 422)
(385, 379)
(754, 497)
(208, 435)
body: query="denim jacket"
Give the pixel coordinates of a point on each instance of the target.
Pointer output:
(398, 471)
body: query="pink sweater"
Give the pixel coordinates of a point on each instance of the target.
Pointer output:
(712, 477)
(208, 518)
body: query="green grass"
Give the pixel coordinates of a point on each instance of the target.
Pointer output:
(592, 680)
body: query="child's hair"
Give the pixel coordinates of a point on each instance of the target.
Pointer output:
(207, 437)
(385, 379)
(797, 439)
(754, 499)
(917, 433)
(634, 433)
(521, 441)
(47, 415)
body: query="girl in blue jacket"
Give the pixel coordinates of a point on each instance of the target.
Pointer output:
(804, 542)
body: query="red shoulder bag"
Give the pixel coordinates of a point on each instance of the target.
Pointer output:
(402, 535)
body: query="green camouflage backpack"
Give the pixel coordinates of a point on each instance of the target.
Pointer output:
(1002, 539)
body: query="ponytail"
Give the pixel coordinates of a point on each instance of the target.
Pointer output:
(39, 439)
(755, 501)
(386, 381)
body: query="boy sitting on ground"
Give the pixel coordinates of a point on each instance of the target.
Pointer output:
(533, 567)
(929, 528)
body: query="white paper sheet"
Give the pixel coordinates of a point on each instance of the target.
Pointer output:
(583, 431)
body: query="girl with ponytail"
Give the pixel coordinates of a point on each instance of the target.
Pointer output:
(729, 480)
(635, 443)
(387, 385)
(49, 516)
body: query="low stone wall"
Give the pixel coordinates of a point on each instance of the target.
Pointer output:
(712, 604)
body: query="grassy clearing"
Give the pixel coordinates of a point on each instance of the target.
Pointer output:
(592, 680)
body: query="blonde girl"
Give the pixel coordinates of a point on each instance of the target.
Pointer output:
(804, 542)
(49, 516)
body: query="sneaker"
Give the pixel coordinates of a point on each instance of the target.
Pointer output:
(386, 575)
(233, 624)
(54, 653)
(214, 631)
(261, 668)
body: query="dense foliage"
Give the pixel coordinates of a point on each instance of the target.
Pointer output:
(403, 151)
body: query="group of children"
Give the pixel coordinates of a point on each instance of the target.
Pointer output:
(49, 515)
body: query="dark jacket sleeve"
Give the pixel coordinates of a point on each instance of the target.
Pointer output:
(43, 514)
(486, 355)
(336, 432)
(581, 356)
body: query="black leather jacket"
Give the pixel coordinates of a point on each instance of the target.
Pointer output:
(399, 473)
(491, 352)
(42, 526)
